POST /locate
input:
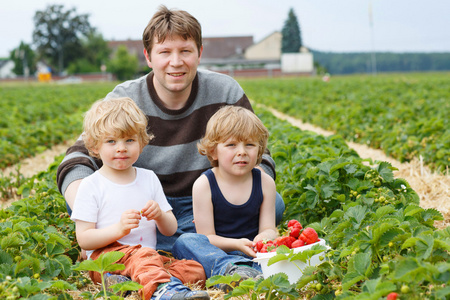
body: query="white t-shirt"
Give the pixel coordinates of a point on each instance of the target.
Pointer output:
(101, 201)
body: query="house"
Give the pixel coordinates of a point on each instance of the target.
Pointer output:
(234, 55)
(6, 69)
(268, 48)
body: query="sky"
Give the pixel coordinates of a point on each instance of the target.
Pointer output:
(326, 25)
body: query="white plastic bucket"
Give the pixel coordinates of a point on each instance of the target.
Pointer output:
(293, 269)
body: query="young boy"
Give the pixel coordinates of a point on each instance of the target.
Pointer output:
(234, 202)
(119, 207)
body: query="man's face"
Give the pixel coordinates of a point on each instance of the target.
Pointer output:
(174, 63)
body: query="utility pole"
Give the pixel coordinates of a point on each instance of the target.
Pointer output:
(374, 60)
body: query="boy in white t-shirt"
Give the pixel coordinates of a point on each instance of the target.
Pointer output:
(119, 207)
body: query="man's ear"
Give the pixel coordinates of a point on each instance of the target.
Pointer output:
(147, 58)
(200, 53)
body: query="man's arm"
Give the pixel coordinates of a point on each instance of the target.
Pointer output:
(76, 165)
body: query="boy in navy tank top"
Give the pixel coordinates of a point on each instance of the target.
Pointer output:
(234, 201)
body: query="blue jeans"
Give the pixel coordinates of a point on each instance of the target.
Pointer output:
(182, 209)
(213, 259)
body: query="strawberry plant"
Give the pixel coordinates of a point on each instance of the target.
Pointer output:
(381, 240)
(404, 115)
(35, 117)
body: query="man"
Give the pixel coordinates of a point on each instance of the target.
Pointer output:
(178, 100)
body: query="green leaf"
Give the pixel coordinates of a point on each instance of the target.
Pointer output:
(404, 267)
(350, 279)
(362, 263)
(125, 286)
(385, 170)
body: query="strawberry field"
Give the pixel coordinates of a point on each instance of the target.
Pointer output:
(381, 240)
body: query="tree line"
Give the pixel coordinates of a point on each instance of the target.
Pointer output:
(361, 62)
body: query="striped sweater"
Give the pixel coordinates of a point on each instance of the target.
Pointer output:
(172, 154)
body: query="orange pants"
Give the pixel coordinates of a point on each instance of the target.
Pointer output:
(148, 268)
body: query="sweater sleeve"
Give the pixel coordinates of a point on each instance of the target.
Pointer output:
(77, 164)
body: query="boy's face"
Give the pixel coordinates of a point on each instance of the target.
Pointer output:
(236, 157)
(119, 153)
(174, 63)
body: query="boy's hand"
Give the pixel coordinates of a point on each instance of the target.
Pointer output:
(129, 220)
(151, 210)
(246, 246)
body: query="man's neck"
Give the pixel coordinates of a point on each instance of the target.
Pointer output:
(173, 100)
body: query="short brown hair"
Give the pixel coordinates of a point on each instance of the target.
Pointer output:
(236, 122)
(167, 23)
(116, 117)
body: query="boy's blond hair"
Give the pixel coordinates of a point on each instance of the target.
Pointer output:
(233, 122)
(168, 23)
(114, 117)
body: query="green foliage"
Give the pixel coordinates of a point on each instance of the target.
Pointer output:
(291, 40)
(37, 116)
(95, 54)
(24, 60)
(38, 248)
(360, 62)
(381, 240)
(123, 65)
(57, 34)
(106, 262)
(404, 115)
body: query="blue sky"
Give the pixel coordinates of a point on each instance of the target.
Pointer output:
(326, 25)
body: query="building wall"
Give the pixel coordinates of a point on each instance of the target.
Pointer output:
(6, 70)
(269, 48)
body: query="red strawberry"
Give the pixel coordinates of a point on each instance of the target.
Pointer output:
(309, 236)
(392, 296)
(294, 231)
(297, 243)
(294, 223)
(259, 245)
(284, 240)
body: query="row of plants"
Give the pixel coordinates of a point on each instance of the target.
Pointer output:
(381, 241)
(35, 117)
(405, 115)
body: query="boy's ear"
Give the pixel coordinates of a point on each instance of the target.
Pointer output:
(213, 154)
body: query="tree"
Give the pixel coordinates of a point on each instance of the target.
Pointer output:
(123, 64)
(57, 34)
(24, 60)
(291, 41)
(95, 54)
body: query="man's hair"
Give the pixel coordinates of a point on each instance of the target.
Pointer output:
(168, 23)
(114, 117)
(233, 122)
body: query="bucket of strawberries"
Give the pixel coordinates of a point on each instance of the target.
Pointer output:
(290, 253)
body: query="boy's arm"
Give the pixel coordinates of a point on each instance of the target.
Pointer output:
(204, 220)
(165, 220)
(267, 227)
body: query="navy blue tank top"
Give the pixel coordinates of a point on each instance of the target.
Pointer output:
(236, 221)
